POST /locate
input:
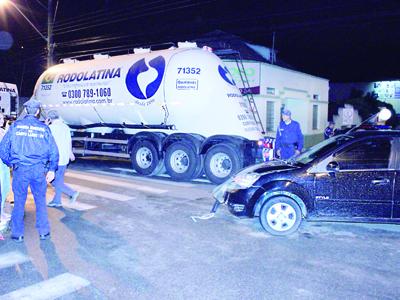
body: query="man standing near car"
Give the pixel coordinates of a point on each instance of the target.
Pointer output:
(330, 130)
(29, 148)
(289, 138)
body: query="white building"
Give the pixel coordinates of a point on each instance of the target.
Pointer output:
(386, 91)
(275, 87)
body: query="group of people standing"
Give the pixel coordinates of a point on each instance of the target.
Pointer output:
(37, 153)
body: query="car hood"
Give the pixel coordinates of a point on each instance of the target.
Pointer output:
(270, 166)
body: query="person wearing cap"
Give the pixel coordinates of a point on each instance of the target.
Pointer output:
(62, 136)
(330, 130)
(289, 138)
(29, 149)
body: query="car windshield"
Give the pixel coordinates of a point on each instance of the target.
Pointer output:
(321, 149)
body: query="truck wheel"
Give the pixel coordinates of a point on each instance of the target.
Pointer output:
(144, 158)
(181, 162)
(222, 161)
(280, 216)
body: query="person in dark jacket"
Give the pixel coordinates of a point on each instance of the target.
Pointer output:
(30, 150)
(289, 138)
(329, 131)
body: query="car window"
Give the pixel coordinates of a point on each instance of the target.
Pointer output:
(368, 154)
(322, 148)
(394, 160)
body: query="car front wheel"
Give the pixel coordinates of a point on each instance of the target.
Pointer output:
(280, 216)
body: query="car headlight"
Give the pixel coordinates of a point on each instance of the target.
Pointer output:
(239, 182)
(246, 180)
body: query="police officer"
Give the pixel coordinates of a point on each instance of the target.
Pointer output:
(330, 130)
(29, 148)
(289, 138)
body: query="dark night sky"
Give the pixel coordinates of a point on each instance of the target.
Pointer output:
(339, 40)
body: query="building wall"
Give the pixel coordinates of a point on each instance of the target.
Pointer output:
(387, 91)
(298, 92)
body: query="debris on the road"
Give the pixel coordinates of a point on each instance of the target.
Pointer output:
(203, 217)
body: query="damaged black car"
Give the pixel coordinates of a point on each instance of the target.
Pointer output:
(351, 177)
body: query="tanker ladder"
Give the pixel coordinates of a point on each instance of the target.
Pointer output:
(230, 54)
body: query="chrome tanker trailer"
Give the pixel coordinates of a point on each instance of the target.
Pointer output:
(176, 110)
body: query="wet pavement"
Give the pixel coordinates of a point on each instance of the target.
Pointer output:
(134, 238)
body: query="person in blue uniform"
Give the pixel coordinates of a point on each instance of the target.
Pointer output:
(30, 150)
(289, 138)
(330, 130)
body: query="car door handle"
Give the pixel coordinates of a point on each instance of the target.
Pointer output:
(380, 181)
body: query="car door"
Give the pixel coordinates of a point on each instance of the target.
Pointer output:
(357, 181)
(396, 195)
(396, 163)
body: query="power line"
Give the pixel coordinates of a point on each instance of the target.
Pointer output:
(360, 20)
(96, 15)
(125, 12)
(159, 10)
(126, 15)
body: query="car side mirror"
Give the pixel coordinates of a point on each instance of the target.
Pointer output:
(332, 167)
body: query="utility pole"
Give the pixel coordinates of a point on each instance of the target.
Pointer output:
(50, 41)
(273, 48)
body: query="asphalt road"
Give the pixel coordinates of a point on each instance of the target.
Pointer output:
(133, 238)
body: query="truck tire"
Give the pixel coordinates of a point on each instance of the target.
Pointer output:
(144, 156)
(221, 162)
(181, 162)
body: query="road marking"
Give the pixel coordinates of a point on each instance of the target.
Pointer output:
(77, 205)
(12, 258)
(52, 288)
(149, 179)
(124, 170)
(202, 180)
(108, 181)
(101, 193)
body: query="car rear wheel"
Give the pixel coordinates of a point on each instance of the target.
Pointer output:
(280, 216)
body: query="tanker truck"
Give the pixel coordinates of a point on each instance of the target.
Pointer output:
(8, 99)
(176, 110)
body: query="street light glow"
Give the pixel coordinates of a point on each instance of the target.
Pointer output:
(4, 2)
(49, 38)
(384, 114)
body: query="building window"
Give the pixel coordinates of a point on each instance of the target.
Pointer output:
(271, 91)
(315, 97)
(270, 116)
(315, 117)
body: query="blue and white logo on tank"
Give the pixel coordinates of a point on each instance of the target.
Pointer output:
(226, 75)
(144, 79)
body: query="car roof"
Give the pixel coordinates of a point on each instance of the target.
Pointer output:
(367, 133)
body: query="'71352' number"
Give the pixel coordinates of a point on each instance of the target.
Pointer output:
(187, 70)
